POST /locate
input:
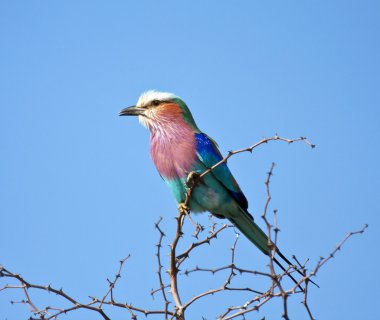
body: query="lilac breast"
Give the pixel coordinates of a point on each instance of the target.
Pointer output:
(173, 150)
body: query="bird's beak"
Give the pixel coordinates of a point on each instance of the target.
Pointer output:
(131, 111)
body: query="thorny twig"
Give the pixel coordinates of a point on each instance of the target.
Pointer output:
(276, 281)
(159, 272)
(113, 283)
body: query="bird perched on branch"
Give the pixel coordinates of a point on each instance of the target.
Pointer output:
(178, 147)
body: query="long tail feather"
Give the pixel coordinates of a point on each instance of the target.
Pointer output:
(253, 232)
(289, 275)
(289, 263)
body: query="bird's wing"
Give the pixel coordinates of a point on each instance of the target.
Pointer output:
(209, 155)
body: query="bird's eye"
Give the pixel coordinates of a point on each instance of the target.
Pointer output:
(155, 103)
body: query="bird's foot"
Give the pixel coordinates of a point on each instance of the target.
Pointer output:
(182, 208)
(192, 179)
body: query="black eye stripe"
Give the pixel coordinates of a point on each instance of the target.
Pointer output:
(155, 103)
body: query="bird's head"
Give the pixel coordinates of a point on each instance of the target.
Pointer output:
(159, 109)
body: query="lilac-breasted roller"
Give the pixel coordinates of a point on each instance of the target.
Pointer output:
(178, 147)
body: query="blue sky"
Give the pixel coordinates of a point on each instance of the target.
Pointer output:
(78, 190)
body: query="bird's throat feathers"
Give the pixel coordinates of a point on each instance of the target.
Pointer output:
(172, 142)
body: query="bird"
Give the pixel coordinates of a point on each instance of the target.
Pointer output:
(178, 147)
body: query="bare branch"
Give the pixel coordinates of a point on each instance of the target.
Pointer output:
(173, 271)
(159, 272)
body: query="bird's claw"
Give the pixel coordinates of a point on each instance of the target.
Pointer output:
(182, 208)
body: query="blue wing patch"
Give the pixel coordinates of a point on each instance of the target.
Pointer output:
(209, 154)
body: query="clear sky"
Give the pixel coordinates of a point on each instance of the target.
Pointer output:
(78, 190)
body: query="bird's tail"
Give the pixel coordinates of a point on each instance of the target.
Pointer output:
(244, 222)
